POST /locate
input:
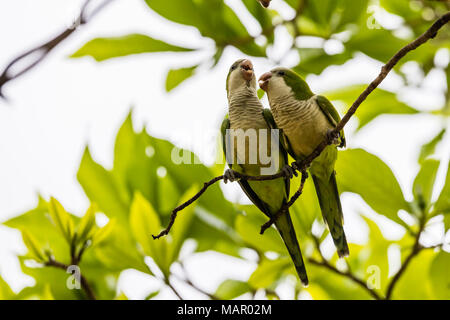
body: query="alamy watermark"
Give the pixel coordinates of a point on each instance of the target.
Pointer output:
(374, 280)
(74, 280)
(258, 147)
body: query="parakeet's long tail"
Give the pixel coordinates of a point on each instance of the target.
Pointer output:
(330, 205)
(287, 232)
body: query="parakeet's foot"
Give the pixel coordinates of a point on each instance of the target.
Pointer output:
(296, 166)
(229, 176)
(333, 137)
(289, 172)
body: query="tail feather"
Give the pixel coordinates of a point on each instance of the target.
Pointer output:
(330, 204)
(287, 232)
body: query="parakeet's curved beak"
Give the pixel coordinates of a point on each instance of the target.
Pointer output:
(264, 80)
(247, 69)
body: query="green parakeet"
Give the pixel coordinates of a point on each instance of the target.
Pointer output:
(246, 116)
(306, 119)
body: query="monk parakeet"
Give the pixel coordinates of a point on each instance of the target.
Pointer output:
(246, 114)
(306, 119)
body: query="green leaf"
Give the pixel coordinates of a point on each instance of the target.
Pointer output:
(248, 228)
(440, 275)
(137, 170)
(315, 60)
(378, 103)
(102, 188)
(61, 219)
(354, 13)
(144, 223)
(261, 14)
(213, 19)
(33, 246)
(186, 170)
(5, 291)
(325, 284)
(376, 251)
(447, 221)
(305, 210)
(268, 272)
(168, 194)
(424, 182)
(402, 9)
(368, 42)
(106, 48)
(47, 293)
(415, 283)
(365, 174)
(86, 225)
(104, 233)
(442, 204)
(429, 147)
(231, 289)
(151, 295)
(177, 76)
(181, 228)
(36, 222)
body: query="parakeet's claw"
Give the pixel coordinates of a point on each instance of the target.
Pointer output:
(229, 176)
(333, 137)
(295, 166)
(289, 172)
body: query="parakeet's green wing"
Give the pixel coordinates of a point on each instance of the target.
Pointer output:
(243, 183)
(282, 143)
(331, 113)
(327, 191)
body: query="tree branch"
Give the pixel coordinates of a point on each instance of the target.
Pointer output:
(47, 47)
(286, 206)
(84, 283)
(302, 166)
(169, 284)
(427, 35)
(417, 247)
(347, 274)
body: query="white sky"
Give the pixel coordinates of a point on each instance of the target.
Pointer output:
(65, 103)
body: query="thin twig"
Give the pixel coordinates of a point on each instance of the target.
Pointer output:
(286, 206)
(47, 47)
(206, 185)
(169, 284)
(348, 274)
(84, 283)
(417, 247)
(189, 282)
(361, 283)
(192, 285)
(302, 166)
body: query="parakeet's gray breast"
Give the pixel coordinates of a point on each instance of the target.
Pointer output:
(245, 110)
(302, 122)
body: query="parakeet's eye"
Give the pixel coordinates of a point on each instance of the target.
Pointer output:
(281, 73)
(233, 67)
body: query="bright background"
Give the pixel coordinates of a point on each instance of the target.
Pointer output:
(62, 105)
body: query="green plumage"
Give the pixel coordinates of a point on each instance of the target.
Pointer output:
(305, 119)
(269, 196)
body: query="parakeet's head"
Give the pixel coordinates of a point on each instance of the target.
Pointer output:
(283, 82)
(241, 74)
